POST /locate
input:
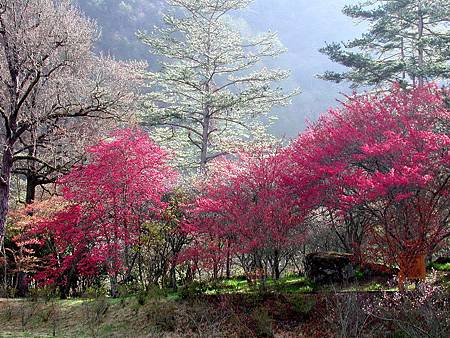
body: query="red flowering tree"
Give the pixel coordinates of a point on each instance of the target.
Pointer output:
(245, 210)
(22, 251)
(385, 158)
(119, 188)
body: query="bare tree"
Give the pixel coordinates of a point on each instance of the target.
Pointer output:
(50, 81)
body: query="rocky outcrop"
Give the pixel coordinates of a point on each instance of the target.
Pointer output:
(329, 267)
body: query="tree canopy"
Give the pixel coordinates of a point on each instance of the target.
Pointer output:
(407, 42)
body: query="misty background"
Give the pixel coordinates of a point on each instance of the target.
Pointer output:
(303, 27)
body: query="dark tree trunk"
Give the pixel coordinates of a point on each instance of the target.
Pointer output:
(31, 189)
(420, 60)
(205, 139)
(7, 163)
(114, 286)
(22, 284)
(189, 274)
(276, 264)
(215, 270)
(228, 265)
(173, 276)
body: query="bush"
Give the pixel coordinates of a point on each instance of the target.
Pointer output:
(7, 292)
(141, 297)
(359, 274)
(440, 266)
(263, 322)
(192, 290)
(44, 293)
(374, 287)
(301, 304)
(95, 292)
(422, 312)
(346, 314)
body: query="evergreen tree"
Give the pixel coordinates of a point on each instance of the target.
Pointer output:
(408, 41)
(212, 88)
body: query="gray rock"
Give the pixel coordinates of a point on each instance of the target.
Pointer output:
(329, 267)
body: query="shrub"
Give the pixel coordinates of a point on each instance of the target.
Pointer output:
(440, 267)
(263, 322)
(346, 314)
(422, 312)
(192, 290)
(95, 292)
(301, 304)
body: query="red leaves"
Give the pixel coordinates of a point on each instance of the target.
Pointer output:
(244, 207)
(382, 157)
(110, 197)
(386, 154)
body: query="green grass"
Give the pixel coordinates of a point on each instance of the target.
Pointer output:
(173, 295)
(287, 284)
(440, 267)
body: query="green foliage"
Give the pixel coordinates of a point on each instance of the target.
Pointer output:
(7, 292)
(359, 274)
(301, 304)
(291, 284)
(399, 334)
(141, 297)
(263, 322)
(374, 287)
(406, 42)
(95, 291)
(45, 293)
(440, 267)
(192, 290)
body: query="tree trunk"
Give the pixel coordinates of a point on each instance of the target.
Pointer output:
(228, 265)
(114, 286)
(276, 264)
(173, 276)
(215, 270)
(205, 137)
(420, 60)
(5, 177)
(63, 291)
(31, 189)
(402, 53)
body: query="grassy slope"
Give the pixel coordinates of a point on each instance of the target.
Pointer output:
(224, 309)
(228, 308)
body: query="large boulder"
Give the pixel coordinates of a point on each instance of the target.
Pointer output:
(329, 267)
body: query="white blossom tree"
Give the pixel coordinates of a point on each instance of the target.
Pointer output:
(50, 82)
(212, 88)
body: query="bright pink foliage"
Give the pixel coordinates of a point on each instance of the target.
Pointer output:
(243, 208)
(383, 156)
(112, 195)
(388, 155)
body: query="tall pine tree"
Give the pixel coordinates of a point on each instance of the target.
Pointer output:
(408, 41)
(212, 87)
